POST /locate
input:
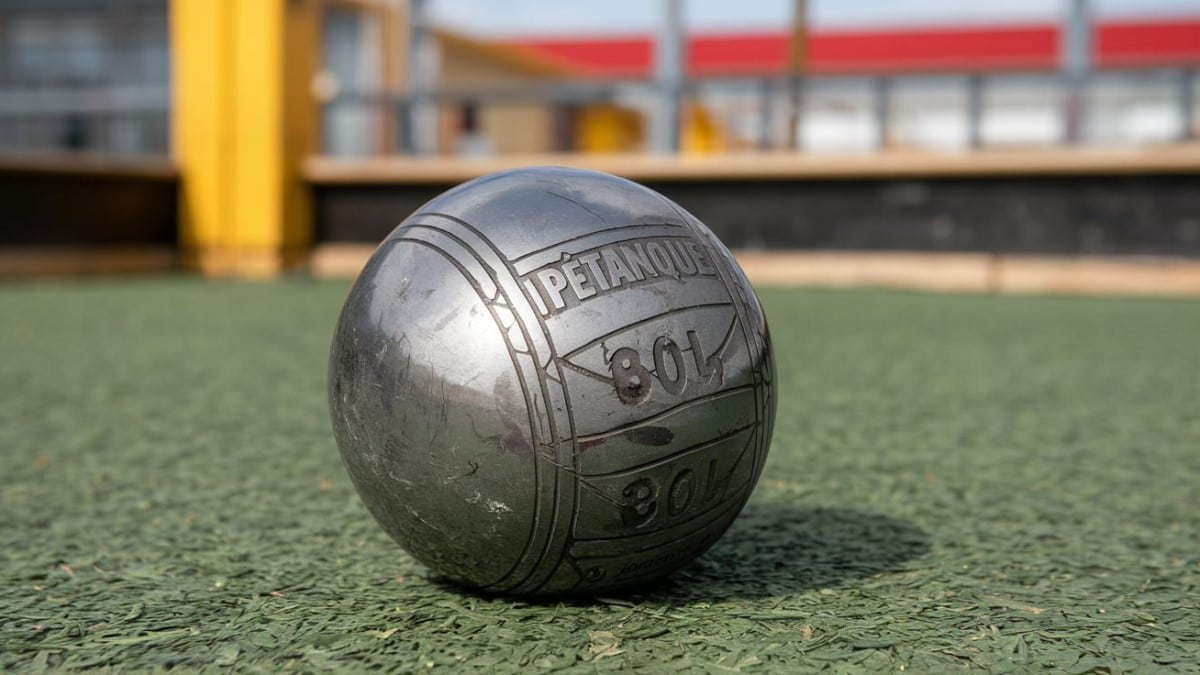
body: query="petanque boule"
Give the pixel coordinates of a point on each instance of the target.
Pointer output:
(552, 381)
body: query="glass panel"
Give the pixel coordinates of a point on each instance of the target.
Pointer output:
(929, 113)
(352, 59)
(1022, 110)
(1134, 108)
(839, 116)
(87, 75)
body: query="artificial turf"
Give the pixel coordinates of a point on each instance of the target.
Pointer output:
(955, 482)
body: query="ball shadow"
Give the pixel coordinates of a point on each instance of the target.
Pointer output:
(776, 549)
(773, 549)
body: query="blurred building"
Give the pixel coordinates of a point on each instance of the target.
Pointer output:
(94, 75)
(915, 87)
(249, 137)
(85, 75)
(944, 88)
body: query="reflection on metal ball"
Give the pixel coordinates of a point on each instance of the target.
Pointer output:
(552, 381)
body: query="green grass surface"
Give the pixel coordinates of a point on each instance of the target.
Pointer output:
(955, 482)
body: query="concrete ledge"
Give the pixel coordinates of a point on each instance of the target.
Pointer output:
(950, 272)
(251, 262)
(339, 261)
(84, 164)
(1149, 275)
(1183, 158)
(42, 262)
(978, 273)
(961, 272)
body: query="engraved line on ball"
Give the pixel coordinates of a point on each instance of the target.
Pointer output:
(591, 439)
(513, 354)
(493, 273)
(554, 531)
(734, 278)
(659, 461)
(642, 322)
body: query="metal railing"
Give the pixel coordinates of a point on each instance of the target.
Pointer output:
(101, 119)
(85, 75)
(965, 111)
(985, 110)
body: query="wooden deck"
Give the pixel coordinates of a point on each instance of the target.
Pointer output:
(1174, 159)
(948, 272)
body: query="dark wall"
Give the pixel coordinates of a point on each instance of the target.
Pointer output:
(1147, 214)
(92, 209)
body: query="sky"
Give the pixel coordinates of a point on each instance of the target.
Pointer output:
(578, 17)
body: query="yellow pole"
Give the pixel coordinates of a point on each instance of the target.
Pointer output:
(243, 121)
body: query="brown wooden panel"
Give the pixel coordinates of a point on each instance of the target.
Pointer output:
(87, 203)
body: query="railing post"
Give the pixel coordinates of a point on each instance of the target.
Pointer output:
(1076, 63)
(766, 114)
(669, 59)
(419, 133)
(795, 132)
(797, 67)
(1187, 104)
(883, 111)
(975, 111)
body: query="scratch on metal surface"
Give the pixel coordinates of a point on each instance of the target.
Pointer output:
(555, 194)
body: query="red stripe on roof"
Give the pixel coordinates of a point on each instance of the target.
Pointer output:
(1148, 43)
(602, 57)
(893, 51)
(747, 54)
(1026, 47)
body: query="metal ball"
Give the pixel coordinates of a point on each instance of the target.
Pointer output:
(552, 381)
